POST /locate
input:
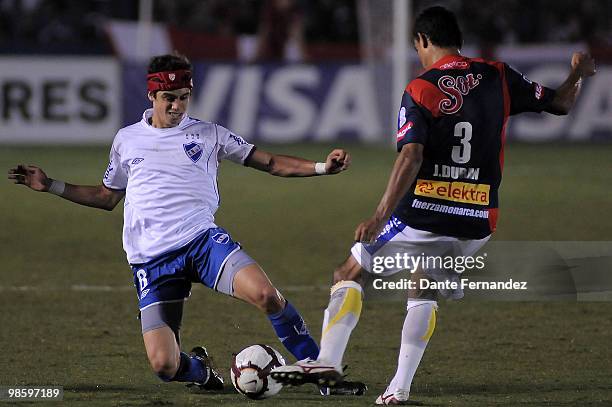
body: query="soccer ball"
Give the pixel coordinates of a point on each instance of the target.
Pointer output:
(251, 368)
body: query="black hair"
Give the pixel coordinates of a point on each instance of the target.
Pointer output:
(168, 62)
(440, 26)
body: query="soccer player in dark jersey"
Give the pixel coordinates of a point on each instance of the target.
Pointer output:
(442, 194)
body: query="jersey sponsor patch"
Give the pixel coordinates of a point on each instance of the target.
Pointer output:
(477, 194)
(194, 151)
(455, 65)
(451, 210)
(455, 88)
(401, 118)
(402, 132)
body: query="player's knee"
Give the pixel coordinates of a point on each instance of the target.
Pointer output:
(269, 300)
(163, 364)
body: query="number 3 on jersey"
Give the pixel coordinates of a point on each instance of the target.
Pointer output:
(461, 154)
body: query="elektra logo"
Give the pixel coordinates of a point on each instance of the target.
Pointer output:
(455, 89)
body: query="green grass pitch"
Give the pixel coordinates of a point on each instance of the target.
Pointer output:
(68, 311)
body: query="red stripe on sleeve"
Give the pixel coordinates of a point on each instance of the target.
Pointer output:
(426, 94)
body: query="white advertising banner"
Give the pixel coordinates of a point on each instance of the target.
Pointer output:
(59, 100)
(80, 100)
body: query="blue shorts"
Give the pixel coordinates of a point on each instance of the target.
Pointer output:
(168, 277)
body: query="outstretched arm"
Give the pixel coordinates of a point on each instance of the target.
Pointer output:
(95, 196)
(583, 65)
(402, 176)
(288, 166)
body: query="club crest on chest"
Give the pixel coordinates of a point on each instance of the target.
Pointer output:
(194, 151)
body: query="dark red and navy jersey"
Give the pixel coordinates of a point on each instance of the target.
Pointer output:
(458, 110)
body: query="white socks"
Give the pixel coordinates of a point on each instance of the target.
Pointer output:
(342, 315)
(418, 327)
(340, 319)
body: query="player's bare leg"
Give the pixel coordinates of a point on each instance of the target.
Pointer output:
(170, 364)
(163, 351)
(418, 328)
(340, 319)
(251, 284)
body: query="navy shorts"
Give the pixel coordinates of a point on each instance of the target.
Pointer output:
(168, 277)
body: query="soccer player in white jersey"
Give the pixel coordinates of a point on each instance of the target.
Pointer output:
(166, 168)
(453, 115)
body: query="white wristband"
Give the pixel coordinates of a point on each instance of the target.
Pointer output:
(57, 187)
(320, 169)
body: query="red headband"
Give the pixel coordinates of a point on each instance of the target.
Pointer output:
(169, 80)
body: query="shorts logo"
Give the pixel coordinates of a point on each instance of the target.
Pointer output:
(137, 161)
(393, 223)
(194, 151)
(221, 238)
(144, 293)
(476, 194)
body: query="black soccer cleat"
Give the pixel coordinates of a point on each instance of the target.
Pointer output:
(213, 380)
(307, 371)
(344, 388)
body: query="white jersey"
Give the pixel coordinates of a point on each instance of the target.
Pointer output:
(170, 179)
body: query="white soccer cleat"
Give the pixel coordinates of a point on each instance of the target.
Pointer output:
(308, 371)
(398, 397)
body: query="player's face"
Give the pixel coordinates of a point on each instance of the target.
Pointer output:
(169, 107)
